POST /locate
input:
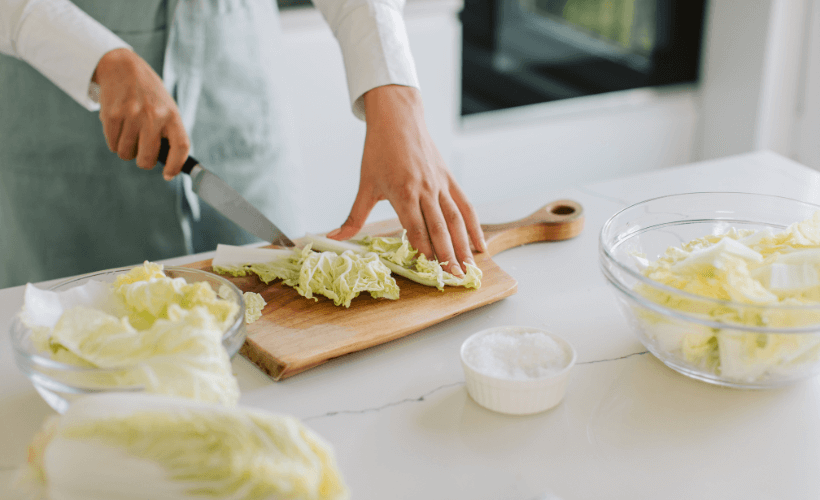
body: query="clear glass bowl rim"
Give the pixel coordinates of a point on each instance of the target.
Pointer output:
(37, 360)
(607, 257)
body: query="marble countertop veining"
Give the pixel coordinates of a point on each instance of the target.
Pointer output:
(404, 427)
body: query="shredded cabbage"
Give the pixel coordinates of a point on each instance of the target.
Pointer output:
(143, 446)
(339, 277)
(753, 268)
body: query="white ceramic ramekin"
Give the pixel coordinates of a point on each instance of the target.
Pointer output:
(517, 396)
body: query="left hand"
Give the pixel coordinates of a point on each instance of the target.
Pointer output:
(402, 164)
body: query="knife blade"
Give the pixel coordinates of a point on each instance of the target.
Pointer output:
(227, 201)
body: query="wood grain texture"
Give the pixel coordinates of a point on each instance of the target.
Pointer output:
(295, 334)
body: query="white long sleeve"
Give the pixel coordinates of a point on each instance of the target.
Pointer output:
(374, 43)
(65, 44)
(59, 40)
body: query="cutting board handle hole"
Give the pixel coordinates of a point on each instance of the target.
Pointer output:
(562, 210)
(559, 220)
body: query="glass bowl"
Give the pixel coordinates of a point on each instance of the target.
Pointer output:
(59, 383)
(717, 341)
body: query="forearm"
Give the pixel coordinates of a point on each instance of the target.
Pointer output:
(394, 106)
(59, 40)
(374, 43)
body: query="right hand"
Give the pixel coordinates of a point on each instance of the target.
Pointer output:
(136, 112)
(401, 164)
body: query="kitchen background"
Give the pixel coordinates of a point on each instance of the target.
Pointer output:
(530, 96)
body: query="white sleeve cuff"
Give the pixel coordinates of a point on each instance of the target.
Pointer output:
(376, 51)
(65, 44)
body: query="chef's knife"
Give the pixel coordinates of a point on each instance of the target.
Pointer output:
(226, 201)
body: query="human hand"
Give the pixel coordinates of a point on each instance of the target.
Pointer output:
(137, 112)
(402, 164)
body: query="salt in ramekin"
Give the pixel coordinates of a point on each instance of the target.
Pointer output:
(535, 380)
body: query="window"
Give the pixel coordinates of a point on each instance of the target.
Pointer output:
(519, 52)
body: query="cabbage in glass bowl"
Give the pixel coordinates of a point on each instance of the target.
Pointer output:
(721, 287)
(159, 334)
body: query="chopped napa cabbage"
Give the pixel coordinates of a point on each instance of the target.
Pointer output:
(162, 335)
(43, 308)
(752, 270)
(805, 233)
(431, 270)
(254, 303)
(782, 278)
(142, 446)
(236, 260)
(401, 258)
(146, 272)
(339, 277)
(148, 299)
(396, 250)
(717, 255)
(748, 356)
(343, 277)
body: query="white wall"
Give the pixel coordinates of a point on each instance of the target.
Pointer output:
(752, 72)
(550, 146)
(806, 149)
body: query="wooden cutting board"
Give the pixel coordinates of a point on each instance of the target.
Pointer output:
(295, 333)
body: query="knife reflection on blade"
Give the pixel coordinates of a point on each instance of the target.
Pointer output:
(227, 201)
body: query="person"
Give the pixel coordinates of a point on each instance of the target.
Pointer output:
(205, 74)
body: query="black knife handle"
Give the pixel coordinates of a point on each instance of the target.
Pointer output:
(165, 147)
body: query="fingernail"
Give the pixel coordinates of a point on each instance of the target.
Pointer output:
(455, 270)
(335, 232)
(471, 261)
(483, 245)
(167, 177)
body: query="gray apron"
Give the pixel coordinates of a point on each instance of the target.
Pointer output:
(68, 205)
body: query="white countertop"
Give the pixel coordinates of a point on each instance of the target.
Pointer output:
(404, 427)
